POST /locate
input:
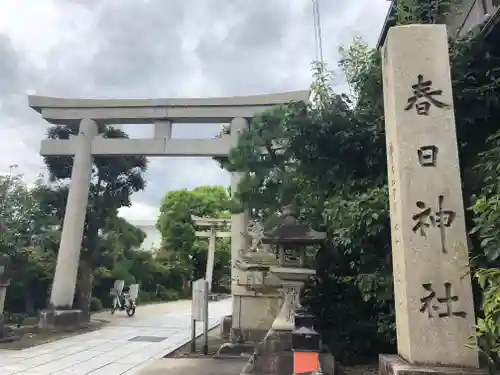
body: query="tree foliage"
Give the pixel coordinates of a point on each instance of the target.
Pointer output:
(113, 181)
(330, 160)
(28, 235)
(31, 219)
(486, 210)
(178, 230)
(329, 156)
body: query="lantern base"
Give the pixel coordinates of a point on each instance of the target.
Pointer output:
(53, 319)
(240, 343)
(274, 356)
(239, 335)
(395, 365)
(234, 350)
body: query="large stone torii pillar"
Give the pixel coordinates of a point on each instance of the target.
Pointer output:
(87, 113)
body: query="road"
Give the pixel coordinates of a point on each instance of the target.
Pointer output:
(124, 347)
(143, 311)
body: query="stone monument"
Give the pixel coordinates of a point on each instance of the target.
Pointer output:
(433, 299)
(259, 288)
(160, 114)
(260, 291)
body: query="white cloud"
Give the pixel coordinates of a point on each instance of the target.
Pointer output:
(139, 212)
(160, 48)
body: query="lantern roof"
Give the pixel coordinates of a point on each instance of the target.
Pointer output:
(293, 233)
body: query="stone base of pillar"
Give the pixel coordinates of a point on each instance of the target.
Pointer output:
(253, 335)
(395, 365)
(53, 319)
(248, 325)
(273, 355)
(238, 335)
(235, 350)
(254, 313)
(238, 343)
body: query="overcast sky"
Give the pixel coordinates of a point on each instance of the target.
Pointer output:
(160, 48)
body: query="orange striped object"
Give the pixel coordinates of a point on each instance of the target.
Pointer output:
(305, 362)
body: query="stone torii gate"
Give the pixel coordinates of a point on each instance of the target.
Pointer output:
(86, 113)
(212, 234)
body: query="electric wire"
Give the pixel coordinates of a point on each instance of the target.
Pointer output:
(318, 38)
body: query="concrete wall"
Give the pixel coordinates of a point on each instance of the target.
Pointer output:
(464, 15)
(468, 13)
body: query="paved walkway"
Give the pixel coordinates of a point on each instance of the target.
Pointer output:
(123, 349)
(196, 366)
(144, 311)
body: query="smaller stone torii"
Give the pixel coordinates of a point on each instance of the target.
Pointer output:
(212, 234)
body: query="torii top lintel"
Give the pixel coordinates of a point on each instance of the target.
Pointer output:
(137, 111)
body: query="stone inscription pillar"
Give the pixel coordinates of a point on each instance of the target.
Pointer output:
(239, 223)
(434, 306)
(68, 258)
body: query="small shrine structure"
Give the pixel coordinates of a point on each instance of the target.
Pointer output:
(290, 241)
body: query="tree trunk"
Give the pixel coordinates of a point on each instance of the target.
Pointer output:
(29, 303)
(84, 290)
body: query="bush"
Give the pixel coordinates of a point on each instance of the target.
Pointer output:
(188, 294)
(487, 328)
(13, 318)
(172, 295)
(145, 296)
(167, 294)
(162, 292)
(95, 304)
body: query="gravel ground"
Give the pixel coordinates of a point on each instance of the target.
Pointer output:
(371, 369)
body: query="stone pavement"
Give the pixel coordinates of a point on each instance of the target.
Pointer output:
(196, 366)
(123, 349)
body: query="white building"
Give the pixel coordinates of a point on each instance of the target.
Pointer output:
(152, 241)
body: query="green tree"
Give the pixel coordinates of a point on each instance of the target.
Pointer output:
(121, 233)
(486, 210)
(113, 182)
(28, 238)
(329, 156)
(330, 160)
(118, 239)
(178, 230)
(175, 224)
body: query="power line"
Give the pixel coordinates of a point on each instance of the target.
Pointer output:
(317, 31)
(320, 38)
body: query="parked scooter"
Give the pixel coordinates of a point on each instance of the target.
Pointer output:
(124, 300)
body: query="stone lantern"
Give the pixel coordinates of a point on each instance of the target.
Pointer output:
(291, 240)
(274, 355)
